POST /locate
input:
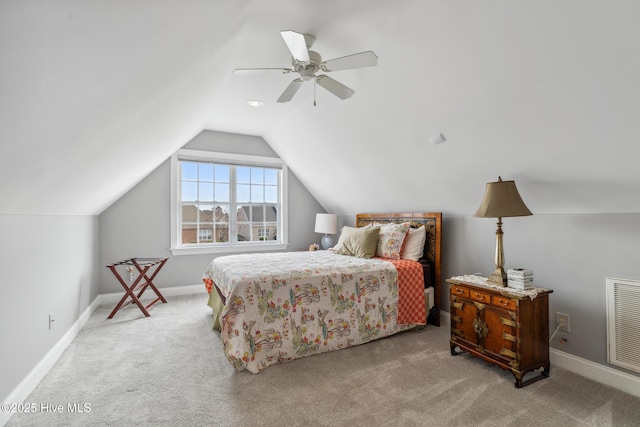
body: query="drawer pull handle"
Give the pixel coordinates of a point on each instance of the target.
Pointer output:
(503, 302)
(480, 297)
(458, 291)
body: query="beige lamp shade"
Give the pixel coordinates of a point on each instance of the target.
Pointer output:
(501, 199)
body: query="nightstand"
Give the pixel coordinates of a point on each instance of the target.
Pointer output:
(504, 326)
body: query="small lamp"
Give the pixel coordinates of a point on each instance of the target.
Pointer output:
(327, 224)
(501, 199)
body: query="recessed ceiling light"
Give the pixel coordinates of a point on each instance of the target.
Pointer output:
(255, 103)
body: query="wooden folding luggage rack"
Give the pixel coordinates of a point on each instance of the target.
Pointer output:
(147, 269)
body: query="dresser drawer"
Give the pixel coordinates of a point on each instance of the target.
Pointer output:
(480, 296)
(460, 291)
(504, 302)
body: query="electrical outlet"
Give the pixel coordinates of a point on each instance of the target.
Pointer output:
(563, 321)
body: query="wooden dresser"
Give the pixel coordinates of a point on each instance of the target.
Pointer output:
(503, 327)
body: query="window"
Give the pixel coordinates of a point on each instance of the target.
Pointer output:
(264, 233)
(205, 234)
(227, 203)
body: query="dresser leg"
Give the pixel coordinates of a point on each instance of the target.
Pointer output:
(453, 349)
(518, 376)
(541, 375)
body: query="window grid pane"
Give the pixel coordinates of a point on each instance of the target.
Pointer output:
(206, 203)
(205, 172)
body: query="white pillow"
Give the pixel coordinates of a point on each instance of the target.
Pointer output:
(414, 243)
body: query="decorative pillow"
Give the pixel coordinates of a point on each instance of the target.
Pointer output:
(358, 242)
(390, 240)
(414, 244)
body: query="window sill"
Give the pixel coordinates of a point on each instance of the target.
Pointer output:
(263, 247)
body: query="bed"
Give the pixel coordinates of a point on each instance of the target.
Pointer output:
(277, 307)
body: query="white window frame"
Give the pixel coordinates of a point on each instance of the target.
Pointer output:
(178, 248)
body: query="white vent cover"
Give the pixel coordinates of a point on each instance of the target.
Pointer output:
(623, 323)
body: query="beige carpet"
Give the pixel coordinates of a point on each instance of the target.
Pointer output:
(169, 370)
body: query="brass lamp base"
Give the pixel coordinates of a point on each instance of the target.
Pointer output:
(498, 277)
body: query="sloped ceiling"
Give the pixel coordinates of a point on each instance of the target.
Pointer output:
(95, 95)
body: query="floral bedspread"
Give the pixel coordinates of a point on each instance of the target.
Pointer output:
(284, 306)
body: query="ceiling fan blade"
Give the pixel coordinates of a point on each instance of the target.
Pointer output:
(357, 60)
(262, 70)
(335, 87)
(291, 90)
(297, 45)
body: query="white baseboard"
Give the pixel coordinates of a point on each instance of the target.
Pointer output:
(445, 319)
(595, 371)
(31, 381)
(583, 367)
(113, 298)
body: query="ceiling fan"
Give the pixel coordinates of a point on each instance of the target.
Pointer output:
(307, 63)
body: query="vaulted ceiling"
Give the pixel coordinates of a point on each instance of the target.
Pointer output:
(95, 95)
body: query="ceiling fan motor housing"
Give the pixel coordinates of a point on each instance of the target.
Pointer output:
(307, 70)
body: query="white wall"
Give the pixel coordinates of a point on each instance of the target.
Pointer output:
(47, 266)
(570, 254)
(138, 225)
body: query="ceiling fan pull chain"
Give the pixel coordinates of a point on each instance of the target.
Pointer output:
(314, 92)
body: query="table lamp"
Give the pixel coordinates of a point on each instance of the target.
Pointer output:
(501, 200)
(327, 224)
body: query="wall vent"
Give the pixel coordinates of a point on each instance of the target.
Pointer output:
(623, 323)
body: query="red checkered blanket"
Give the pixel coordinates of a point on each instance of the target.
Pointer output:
(411, 305)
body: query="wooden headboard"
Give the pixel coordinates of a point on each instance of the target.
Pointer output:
(432, 221)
